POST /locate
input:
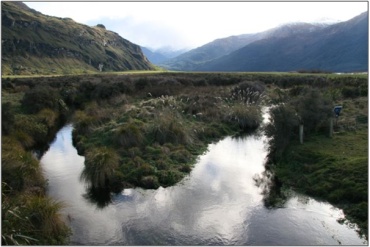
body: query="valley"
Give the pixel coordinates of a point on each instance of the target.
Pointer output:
(106, 142)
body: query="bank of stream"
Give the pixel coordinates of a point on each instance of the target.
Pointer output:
(218, 203)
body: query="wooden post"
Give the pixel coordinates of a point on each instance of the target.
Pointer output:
(331, 128)
(301, 133)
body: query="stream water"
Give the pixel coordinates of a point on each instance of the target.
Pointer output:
(218, 203)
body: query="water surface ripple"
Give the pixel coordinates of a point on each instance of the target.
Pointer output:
(217, 204)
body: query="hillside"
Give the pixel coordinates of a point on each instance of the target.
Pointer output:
(341, 47)
(33, 43)
(191, 60)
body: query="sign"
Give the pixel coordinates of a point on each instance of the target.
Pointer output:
(337, 110)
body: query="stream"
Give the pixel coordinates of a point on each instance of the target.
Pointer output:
(218, 203)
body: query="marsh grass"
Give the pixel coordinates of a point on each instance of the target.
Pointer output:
(245, 117)
(130, 134)
(170, 128)
(100, 166)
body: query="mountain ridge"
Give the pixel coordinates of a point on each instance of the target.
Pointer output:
(224, 46)
(341, 47)
(34, 43)
(284, 35)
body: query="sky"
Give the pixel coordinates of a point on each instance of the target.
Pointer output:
(187, 25)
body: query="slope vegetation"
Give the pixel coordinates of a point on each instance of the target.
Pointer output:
(33, 43)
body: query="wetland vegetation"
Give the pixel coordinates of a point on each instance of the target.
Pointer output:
(147, 130)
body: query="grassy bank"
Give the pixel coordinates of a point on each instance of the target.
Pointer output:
(334, 169)
(29, 217)
(331, 169)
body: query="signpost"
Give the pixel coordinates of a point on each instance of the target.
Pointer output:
(337, 110)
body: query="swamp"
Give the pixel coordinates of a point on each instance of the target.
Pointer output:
(145, 135)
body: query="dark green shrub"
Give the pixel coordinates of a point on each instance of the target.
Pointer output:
(7, 118)
(41, 97)
(313, 109)
(149, 182)
(169, 177)
(105, 91)
(283, 124)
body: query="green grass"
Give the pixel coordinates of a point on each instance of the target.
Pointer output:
(334, 169)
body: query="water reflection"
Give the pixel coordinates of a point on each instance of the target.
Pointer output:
(217, 204)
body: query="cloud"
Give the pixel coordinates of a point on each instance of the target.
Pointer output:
(192, 24)
(145, 33)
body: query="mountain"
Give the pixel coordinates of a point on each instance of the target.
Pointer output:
(341, 47)
(191, 60)
(154, 57)
(33, 43)
(159, 56)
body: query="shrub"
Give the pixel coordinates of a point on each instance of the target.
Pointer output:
(149, 182)
(40, 97)
(283, 124)
(313, 109)
(105, 91)
(7, 117)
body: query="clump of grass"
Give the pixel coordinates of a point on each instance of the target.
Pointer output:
(48, 117)
(207, 108)
(20, 170)
(44, 215)
(248, 92)
(245, 117)
(130, 134)
(100, 166)
(167, 128)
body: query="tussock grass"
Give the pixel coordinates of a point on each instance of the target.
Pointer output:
(130, 134)
(168, 128)
(246, 117)
(100, 166)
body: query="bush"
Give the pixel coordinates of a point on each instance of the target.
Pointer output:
(283, 124)
(7, 118)
(149, 182)
(41, 97)
(313, 109)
